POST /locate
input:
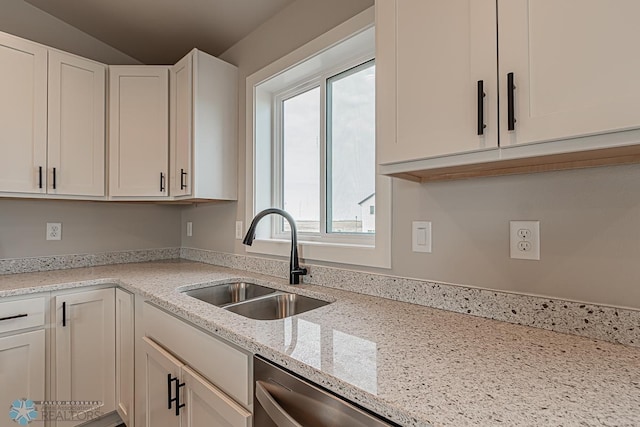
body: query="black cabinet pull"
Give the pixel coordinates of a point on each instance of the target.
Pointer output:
(54, 178)
(481, 95)
(161, 182)
(177, 398)
(169, 399)
(511, 117)
(40, 177)
(183, 183)
(64, 314)
(17, 316)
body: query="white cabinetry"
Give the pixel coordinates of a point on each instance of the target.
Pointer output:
(181, 365)
(22, 350)
(124, 336)
(436, 52)
(76, 142)
(23, 115)
(203, 141)
(574, 84)
(52, 123)
(176, 395)
(574, 68)
(84, 354)
(138, 131)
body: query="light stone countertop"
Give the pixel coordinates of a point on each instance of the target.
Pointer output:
(414, 365)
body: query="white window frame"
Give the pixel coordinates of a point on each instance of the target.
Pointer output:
(321, 82)
(344, 248)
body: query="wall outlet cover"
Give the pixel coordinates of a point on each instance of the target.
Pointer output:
(524, 239)
(54, 231)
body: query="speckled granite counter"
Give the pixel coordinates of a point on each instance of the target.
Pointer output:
(414, 365)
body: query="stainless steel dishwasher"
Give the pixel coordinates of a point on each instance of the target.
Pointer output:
(282, 399)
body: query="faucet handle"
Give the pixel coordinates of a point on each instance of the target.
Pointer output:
(296, 273)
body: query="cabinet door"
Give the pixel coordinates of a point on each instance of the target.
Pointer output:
(159, 385)
(430, 56)
(574, 68)
(181, 126)
(76, 126)
(22, 367)
(138, 131)
(23, 115)
(84, 364)
(207, 406)
(124, 356)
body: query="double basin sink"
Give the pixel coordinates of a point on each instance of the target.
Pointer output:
(255, 301)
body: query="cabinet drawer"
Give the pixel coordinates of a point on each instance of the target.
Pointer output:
(21, 314)
(227, 367)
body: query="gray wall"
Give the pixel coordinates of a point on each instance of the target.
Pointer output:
(87, 227)
(590, 219)
(24, 20)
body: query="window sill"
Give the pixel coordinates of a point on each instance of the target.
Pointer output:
(342, 253)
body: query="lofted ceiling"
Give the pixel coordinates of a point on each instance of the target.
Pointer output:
(162, 31)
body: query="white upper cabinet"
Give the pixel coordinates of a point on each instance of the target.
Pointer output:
(204, 105)
(574, 65)
(76, 143)
(23, 116)
(565, 73)
(434, 61)
(139, 131)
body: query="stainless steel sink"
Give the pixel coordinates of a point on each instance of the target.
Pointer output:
(229, 293)
(277, 306)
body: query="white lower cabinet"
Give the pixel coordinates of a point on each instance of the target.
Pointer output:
(22, 354)
(22, 367)
(180, 382)
(83, 352)
(177, 396)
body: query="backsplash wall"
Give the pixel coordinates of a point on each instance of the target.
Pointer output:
(590, 219)
(87, 227)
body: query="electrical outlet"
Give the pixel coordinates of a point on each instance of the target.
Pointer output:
(238, 229)
(189, 228)
(525, 240)
(54, 231)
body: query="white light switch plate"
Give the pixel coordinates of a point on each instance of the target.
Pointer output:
(189, 229)
(238, 230)
(421, 236)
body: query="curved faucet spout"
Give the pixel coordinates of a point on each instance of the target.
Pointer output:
(294, 268)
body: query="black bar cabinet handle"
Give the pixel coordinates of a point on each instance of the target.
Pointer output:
(481, 95)
(169, 399)
(17, 316)
(64, 314)
(161, 182)
(40, 177)
(511, 87)
(54, 178)
(177, 399)
(183, 184)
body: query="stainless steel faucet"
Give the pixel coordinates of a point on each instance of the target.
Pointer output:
(294, 267)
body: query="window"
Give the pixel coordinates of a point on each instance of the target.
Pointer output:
(324, 136)
(311, 150)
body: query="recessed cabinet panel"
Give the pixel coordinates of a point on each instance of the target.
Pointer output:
(22, 368)
(442, 49)
(574, 67)
(84, 350)
(76, 146)
(124, 356)
(139, 131)
(23, 115)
